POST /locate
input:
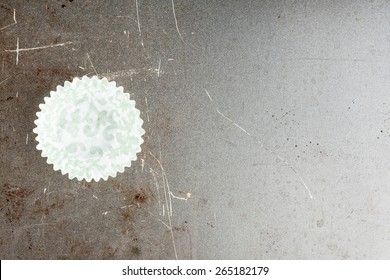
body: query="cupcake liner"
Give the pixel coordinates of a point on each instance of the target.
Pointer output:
(89, 128)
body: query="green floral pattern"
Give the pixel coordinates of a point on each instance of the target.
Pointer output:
(89, 128)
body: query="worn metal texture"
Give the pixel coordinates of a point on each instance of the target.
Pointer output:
(267, 133)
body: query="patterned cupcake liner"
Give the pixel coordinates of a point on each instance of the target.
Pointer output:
(89, 128)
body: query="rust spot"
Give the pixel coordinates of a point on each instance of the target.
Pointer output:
(126, 215)
(146, 146)
(211, 225)
(13, 201)
(7, 8)
(231, 203)
(320, 223)
(166, 124)
(61, 224)
(44, 207)
(16, 191)
(180, 229)
(57, 40)
(6, 139)
(135, 195)
(64, 73)
(136, 200)
(202, 202)
(108, 253)
(76, 249)
(141, 196)
(136, 251)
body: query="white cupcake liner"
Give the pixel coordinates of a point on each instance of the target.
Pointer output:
(89, 128)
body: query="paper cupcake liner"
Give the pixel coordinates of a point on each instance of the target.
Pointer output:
(89, 129)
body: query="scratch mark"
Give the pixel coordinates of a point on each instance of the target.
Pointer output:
(139, 25)
(208, 94)
(105, 213)
(127, 33)
(167, 190)
(159, 145)
(15, 22)
(301, 179)
(130, 73)
(40, 48)
(158, 69)
(17, 94)
(292, 168)
(167, 226)
(235, 124)
(17, 50)
(95, 197)
(170, 59)
(147, 109)
(157, 188)
(229, 142)
(166, 187)
(285, 114)
(168, 201)
(90, 61)
(177, 197)
(328, 59)
(174, 15)
(37, 225)
(6, 79)
(127, 17)
(26, 138)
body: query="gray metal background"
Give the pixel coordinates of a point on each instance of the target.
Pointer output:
(250, 108)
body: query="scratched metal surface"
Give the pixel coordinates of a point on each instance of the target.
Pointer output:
(267, 133)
